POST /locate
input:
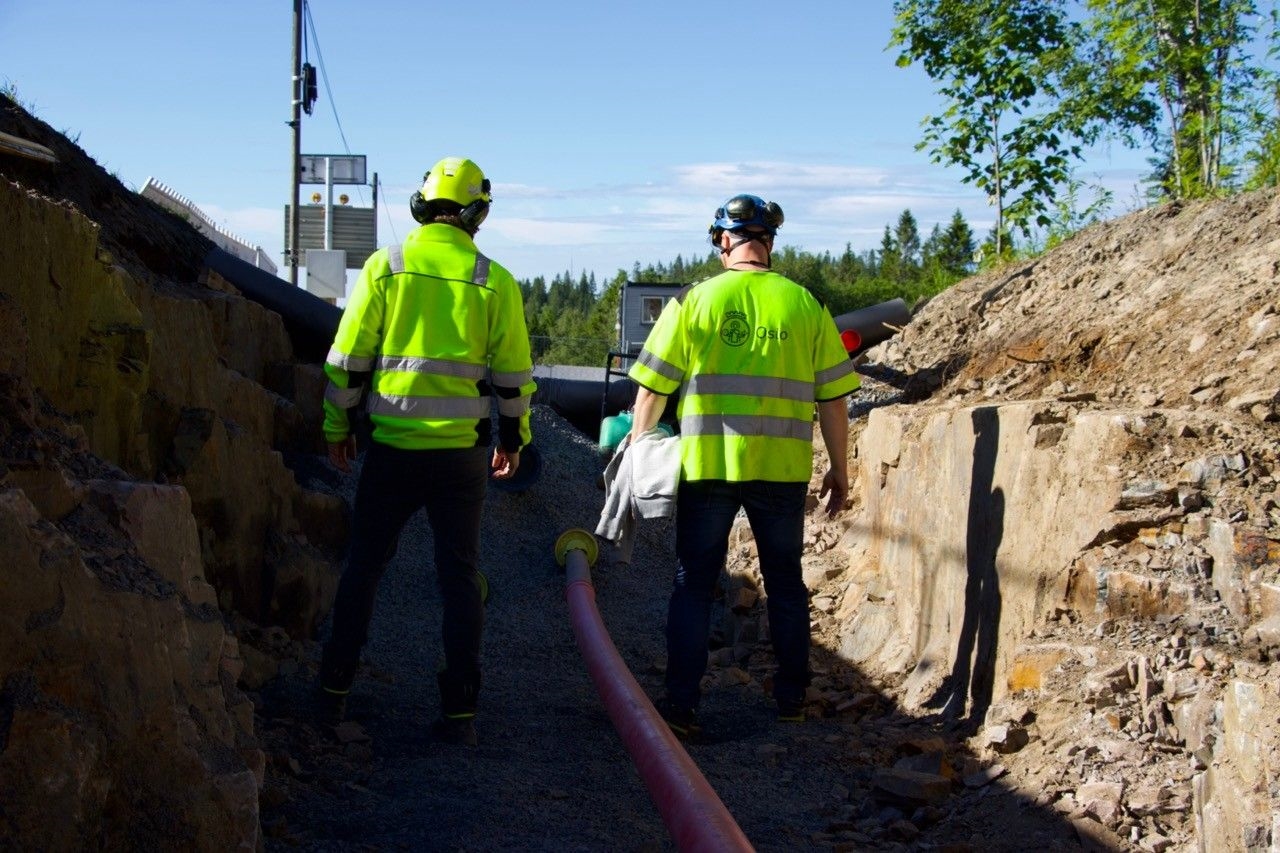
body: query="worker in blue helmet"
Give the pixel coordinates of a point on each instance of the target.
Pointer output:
(748, 218)
(752, 354)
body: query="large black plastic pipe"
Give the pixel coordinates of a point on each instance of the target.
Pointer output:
(581, 390)
(866, 327)
(310, 321)
(692, 812)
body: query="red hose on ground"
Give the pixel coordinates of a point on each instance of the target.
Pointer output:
(693, 813)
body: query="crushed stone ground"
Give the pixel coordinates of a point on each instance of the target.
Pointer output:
(551, 773)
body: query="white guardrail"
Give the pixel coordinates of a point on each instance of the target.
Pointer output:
(179, 204)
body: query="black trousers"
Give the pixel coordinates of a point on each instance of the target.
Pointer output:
(394, 484)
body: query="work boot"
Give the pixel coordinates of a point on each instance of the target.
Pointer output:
(329, 707)
(332, 688)
(457, 730)
(682, 721)
(457, 722)
(791, 711)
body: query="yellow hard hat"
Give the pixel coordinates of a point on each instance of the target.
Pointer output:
(456, 179)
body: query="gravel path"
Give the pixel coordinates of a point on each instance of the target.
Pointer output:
(550, 773)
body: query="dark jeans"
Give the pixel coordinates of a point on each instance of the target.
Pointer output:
(394, 484)
(705, 510)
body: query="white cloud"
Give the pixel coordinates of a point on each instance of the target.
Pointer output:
(549, 232)
(763, 177)
(544, 230)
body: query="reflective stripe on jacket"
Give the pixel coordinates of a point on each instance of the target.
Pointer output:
(432, 332)
(750, 353)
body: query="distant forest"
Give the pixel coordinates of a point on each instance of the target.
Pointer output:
(573, 321)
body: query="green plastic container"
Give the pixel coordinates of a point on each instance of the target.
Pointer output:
(615, 428)
(612, 430)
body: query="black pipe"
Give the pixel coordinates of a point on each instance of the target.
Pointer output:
(310, 321)
(866, 327)
(580, 389)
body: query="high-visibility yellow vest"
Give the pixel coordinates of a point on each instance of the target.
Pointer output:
(432, 331)
(750, 352)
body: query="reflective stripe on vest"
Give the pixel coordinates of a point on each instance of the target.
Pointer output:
(441, 408)
(350, 363)
(514, 407)
(746, 425)
(660, 367)
(432, 366)
(343, 398)
(514, 379)
(479, 275)
(831, 374)
(751, 386)
(395, 258)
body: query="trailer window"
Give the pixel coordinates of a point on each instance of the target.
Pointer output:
(651, 308)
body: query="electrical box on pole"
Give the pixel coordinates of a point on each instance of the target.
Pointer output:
(324, 226)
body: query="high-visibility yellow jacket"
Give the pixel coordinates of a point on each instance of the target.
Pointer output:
(750, 353)
(431, 332)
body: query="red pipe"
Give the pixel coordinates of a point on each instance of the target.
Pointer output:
(693, 813)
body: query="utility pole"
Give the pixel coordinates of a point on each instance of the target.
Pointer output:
(295, 172)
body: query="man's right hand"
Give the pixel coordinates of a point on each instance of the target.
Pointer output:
(835, 482)
(343, 453)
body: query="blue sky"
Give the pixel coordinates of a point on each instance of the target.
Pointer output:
(611, 131)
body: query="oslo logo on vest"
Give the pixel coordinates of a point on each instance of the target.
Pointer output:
(735, 330)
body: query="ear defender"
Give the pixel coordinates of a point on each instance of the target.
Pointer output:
(418, 208)
(475, 212)
(471, 215)
(747, 211)
(773, 216)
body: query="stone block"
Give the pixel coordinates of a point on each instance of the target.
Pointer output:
(1030, 665)
(1137, 596)
(49, 488)
(911, 786)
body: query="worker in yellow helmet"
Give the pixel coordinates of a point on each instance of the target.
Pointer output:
(750, 352)
(432, 333)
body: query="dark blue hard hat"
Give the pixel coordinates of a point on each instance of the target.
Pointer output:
(747, 212)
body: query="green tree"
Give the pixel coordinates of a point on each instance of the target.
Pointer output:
(1263, 157)
(1071, 213)
(849, 266)
(535, 299)
(1001, 65)
(906, 236)
(1182, 76)
(889, 259)
(950, 250)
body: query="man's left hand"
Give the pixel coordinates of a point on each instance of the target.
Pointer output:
(504, 464)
